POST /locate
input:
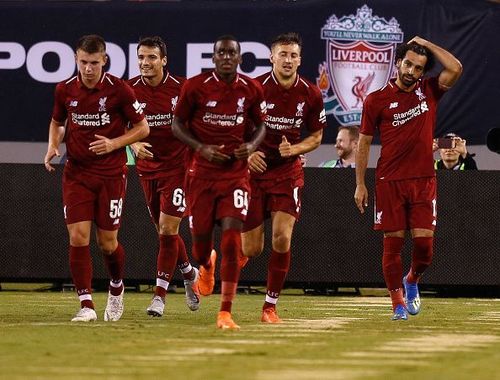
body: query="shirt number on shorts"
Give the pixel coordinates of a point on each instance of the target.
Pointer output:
(178, 198)
(115, 208)
(240, 199)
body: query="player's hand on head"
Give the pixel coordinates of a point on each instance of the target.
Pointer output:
(257, 163)
(101, 145)
(285, 147)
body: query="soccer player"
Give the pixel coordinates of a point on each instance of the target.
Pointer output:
(161, 167)
(346, 145)
(294, 105)
(92, 109)
(404, 112)
(220, 115)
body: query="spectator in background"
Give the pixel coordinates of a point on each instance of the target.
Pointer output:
(346, 145)
(454, 156)
(92, 109)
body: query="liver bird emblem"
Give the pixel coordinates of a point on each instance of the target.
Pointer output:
(361, 87)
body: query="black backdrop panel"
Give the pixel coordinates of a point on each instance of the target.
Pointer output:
(333, 243)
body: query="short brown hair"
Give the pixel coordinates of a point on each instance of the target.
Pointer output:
(91, 43)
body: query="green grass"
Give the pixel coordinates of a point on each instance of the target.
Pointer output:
(341, 337)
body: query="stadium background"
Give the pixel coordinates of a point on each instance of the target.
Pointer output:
(331, 233)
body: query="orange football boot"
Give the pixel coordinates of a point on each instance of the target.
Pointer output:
(206, 281)
(269, 315)
(225, 321)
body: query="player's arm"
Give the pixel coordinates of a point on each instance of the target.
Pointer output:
(244, 151)
(452, 66)
(56, 135)
(103, 145)
(308, 144)
(361, 193)
(208, 152)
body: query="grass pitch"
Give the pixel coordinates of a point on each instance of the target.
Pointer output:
(336, 337)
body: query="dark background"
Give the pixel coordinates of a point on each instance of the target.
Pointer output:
(470, 29)
(333, 244)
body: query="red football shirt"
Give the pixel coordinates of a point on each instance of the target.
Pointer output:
(405, 122)
(218, 113)
(158, 103)
(289, 112)
(104, 110)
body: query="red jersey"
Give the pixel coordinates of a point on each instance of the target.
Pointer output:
(218, 113)
(289, 111)
(104, 110)
(158, 103)
(406, 122)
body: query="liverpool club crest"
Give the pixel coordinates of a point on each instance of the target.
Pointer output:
(359, 59)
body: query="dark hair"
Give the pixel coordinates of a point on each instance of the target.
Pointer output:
(227, 37)
(352, 129)
(287, 39)
(154, 41)
(402, 49)
(91, 44)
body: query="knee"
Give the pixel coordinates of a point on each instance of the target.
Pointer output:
(281, 241)
(107, 246)
(79, 238)
(252, 248)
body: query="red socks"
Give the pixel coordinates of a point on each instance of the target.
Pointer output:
(421, 257)
(393, 269)
(165, 263)
(230, 268)
(115, 265)
(278, 266)
(80, 264)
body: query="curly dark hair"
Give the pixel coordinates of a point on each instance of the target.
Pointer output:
(416, 48)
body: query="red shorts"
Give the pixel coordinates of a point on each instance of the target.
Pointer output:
(405, 204)
(90, 197)
(270, 196)
(210, 201)
(166, 195)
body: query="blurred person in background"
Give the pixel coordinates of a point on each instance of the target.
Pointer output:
(454, 154)
(346, 145)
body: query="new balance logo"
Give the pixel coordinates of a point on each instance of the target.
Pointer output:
(105, 119)
(117, 221)
(137, 107)
(211, 103)
(270, 106)
(73, 103)
(393, 105)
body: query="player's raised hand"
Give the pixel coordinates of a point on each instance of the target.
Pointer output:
(52, 152)
(213, 153)
(256, 162)
(141, 151)
(102, 145)
(285, 147)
